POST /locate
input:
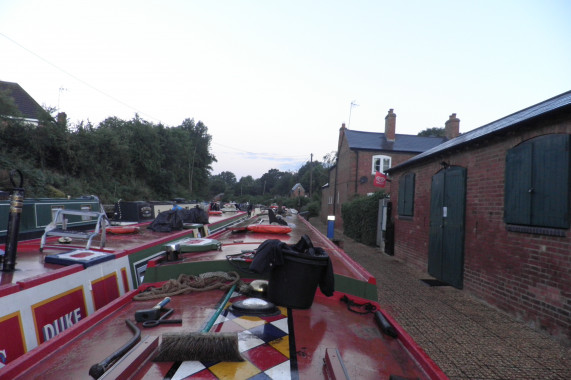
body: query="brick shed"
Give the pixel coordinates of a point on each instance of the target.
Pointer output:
(489, 212)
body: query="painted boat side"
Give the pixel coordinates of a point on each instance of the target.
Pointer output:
(39, 295)
(291, 344)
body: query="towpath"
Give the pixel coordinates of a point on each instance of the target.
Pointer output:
(466, 337)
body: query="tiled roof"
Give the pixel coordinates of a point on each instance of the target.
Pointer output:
(27, 106)
(510, 121)
(378, 142)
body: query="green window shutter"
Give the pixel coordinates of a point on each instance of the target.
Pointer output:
(537, 180)
(517, 198)
(401, 202)
(406, 195)
(550, 181)
(409, 194)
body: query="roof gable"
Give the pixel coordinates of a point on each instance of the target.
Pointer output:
(27, 106)
(378, 142)
(510, 121)
(297, 186)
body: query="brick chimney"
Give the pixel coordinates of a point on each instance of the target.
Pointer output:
(62, 118)
(452, 127)
(341, 136)
(390, 125)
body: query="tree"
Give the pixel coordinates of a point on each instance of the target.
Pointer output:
(432, 132)
(245, 186)
(228, 177)
(8, 107)
(316, 172)
(223, 183)
(284, 184)
(330, 159)
(198, 158)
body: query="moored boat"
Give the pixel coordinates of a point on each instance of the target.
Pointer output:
(37, 213)
(311, 331)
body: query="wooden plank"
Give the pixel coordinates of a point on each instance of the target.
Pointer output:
(127, 367)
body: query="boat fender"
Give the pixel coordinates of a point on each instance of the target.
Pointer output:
(385, 325)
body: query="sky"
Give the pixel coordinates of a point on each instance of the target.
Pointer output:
(274, 80)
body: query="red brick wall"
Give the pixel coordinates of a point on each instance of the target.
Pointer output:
(525, 274)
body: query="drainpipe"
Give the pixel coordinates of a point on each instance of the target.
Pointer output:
(357, 173)
(335, 185)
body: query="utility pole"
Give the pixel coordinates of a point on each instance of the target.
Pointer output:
(191, 170)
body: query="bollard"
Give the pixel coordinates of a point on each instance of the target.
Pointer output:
(330, 226)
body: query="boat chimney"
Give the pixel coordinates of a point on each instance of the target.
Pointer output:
(16, 205)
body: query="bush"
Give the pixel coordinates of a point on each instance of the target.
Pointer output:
(313, 207)
(360, 218)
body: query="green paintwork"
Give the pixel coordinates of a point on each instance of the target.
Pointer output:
(166, 272)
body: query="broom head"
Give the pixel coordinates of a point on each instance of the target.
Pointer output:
(200, 346)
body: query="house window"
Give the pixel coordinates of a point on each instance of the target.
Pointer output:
(406, 195)
(537, 182)
(380, 164)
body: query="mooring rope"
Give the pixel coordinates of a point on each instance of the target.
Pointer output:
(186, 283)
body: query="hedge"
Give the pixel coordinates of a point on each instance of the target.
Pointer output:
(360, 218)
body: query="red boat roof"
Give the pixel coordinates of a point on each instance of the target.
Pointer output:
(295, 343)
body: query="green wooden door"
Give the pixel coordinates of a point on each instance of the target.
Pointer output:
(447, 216)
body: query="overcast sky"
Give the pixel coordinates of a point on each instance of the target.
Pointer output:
(274, 80)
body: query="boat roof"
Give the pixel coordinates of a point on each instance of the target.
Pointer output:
(31, 265)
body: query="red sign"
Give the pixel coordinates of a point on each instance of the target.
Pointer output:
(59, 313)
(380, 180)
(12, 343)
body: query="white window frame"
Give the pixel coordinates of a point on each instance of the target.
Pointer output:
(380, 158)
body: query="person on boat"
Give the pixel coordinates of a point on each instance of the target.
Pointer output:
(249, 209)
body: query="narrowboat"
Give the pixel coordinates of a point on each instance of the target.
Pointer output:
(208, 301)
(37, 213)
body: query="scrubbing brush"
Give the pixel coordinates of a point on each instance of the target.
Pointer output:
(203, 345)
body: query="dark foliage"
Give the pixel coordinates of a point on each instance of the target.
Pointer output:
(360, 218)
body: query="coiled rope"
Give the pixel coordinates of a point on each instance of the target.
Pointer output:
(186, 283)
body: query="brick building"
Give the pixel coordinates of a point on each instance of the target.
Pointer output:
(361, 154)
(297, 191)
(489, 212)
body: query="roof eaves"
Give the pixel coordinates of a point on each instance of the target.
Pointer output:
(538, 110)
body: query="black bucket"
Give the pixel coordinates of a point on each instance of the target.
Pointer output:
(294, 283)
